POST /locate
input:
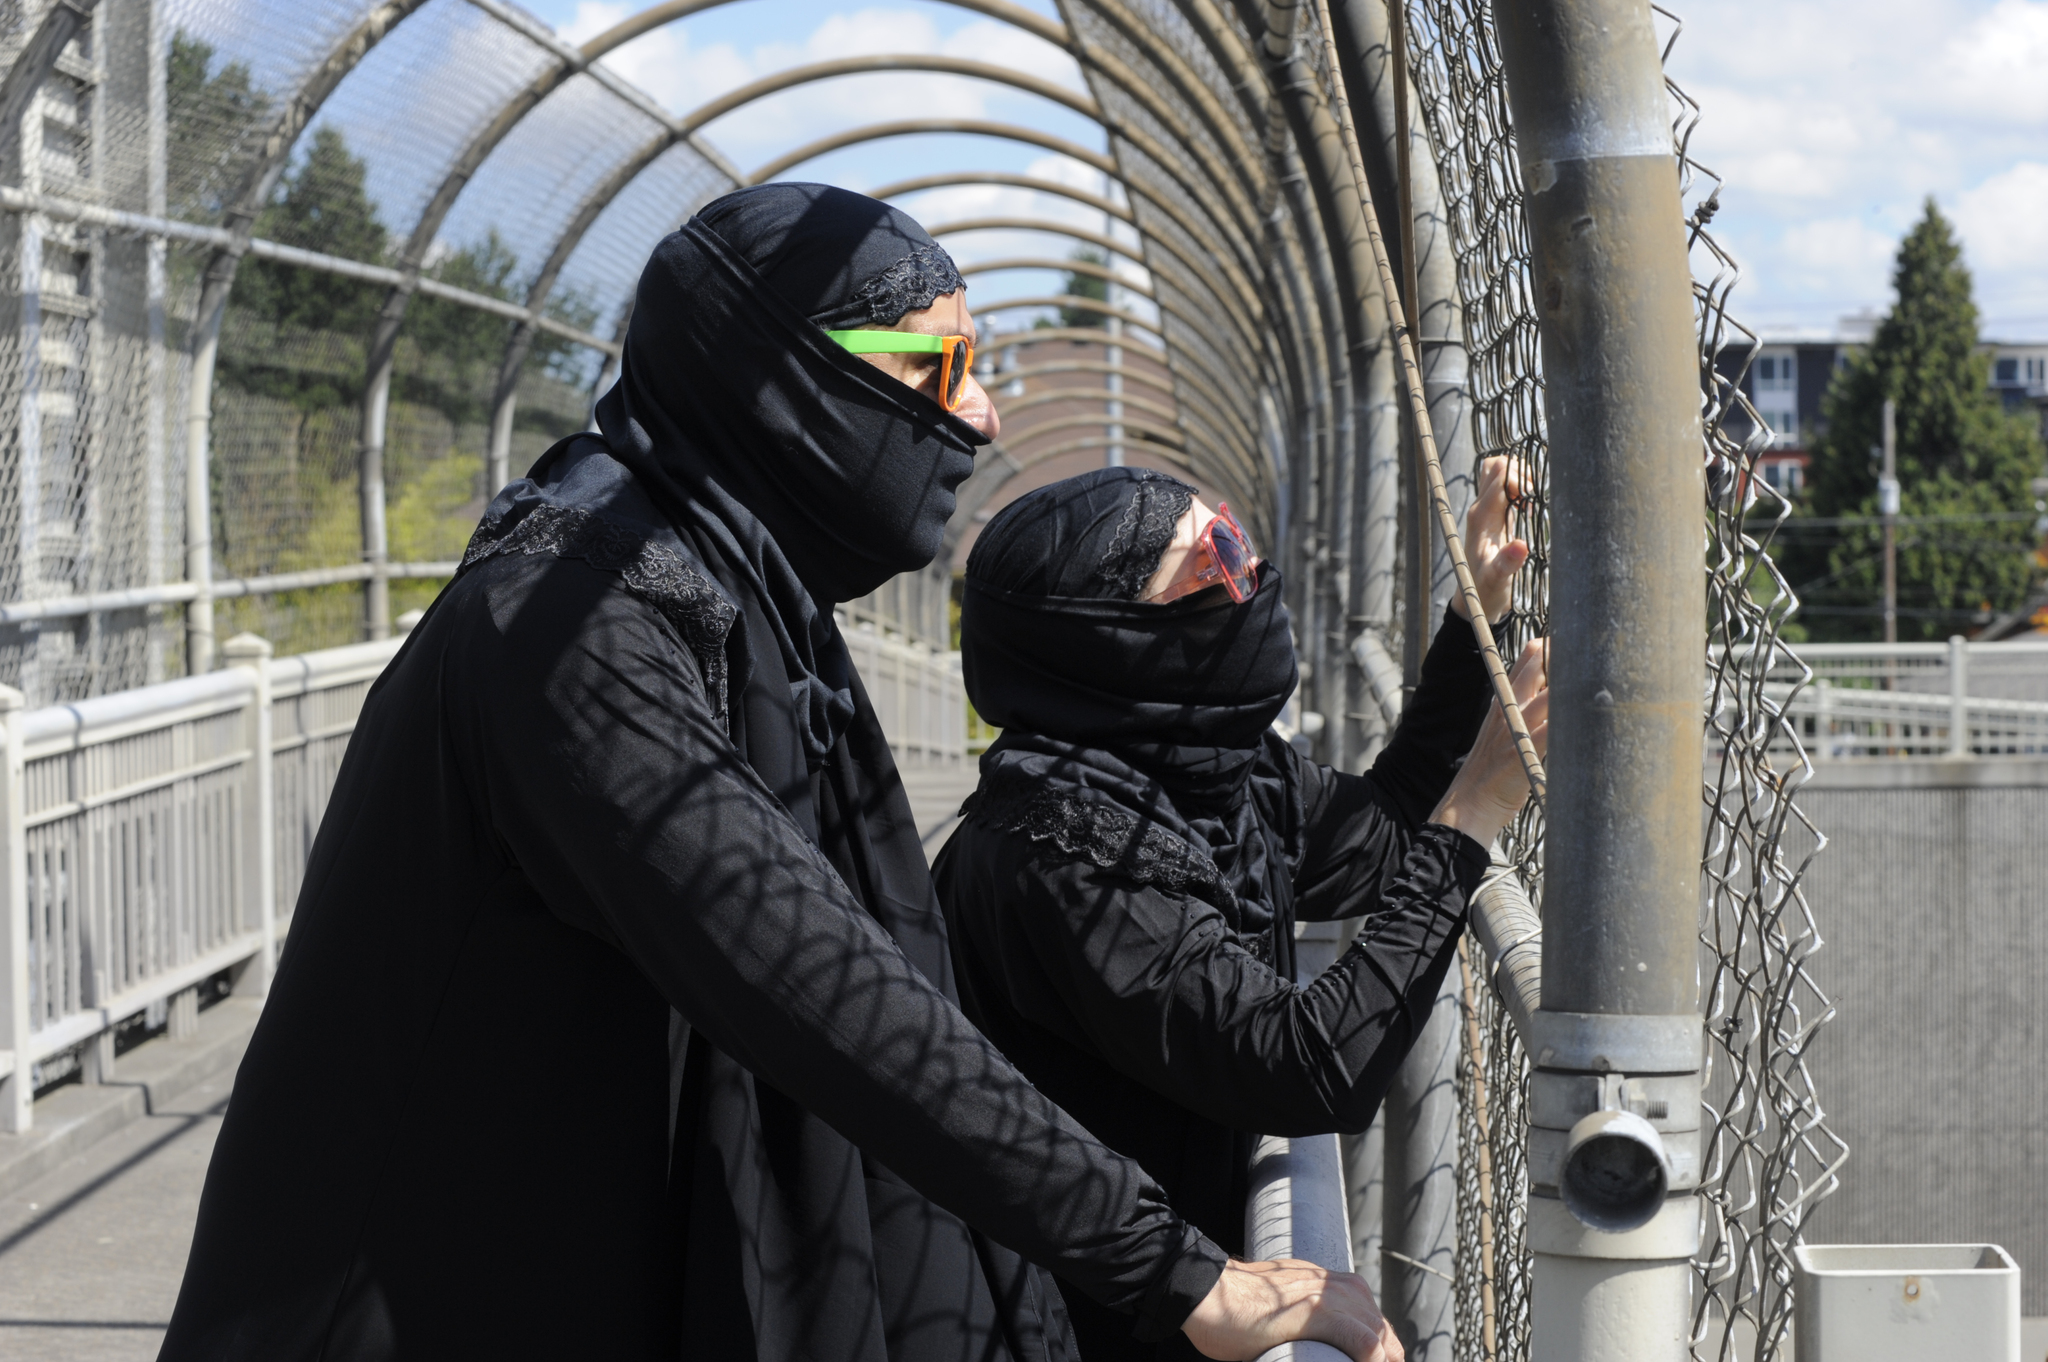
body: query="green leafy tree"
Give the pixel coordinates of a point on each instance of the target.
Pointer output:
(321, 204)
(215, 124)
(1963, 463)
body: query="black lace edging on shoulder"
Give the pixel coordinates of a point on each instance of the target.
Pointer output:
(1114, 839)
(654, 572)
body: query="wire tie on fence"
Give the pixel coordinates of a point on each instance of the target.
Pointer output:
(1417, 1263)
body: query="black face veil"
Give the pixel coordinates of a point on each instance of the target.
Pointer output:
(730, 392)
(803, 475)
(1161, 709)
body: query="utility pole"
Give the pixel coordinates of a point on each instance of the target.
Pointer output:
(1888, 507)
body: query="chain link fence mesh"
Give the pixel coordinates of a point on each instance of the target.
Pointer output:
(1767, 1154)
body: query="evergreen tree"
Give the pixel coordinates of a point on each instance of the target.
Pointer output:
(215, 123)
(1964, 464)
(321, 204)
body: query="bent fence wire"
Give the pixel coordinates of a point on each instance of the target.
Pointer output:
(1767, 1153)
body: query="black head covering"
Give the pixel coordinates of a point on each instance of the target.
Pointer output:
(1162, 709)
(802, 474)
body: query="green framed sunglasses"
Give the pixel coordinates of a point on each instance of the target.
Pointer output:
(956, 355)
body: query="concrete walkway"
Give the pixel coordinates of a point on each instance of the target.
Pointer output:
(91, 1253)
(97, 1203)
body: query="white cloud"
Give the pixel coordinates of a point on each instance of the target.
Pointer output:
(1997, 66)
(2004, 225)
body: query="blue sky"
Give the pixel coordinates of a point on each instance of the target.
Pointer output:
(1830, 120)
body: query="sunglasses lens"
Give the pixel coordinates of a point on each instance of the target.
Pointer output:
(1233, 553)
(959, 359)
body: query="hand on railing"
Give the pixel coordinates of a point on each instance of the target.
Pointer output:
(1257, 1306)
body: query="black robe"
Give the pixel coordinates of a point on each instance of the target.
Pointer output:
(1099, 951)
(452, 1134)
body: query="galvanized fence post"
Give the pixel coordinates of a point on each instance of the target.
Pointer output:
(258, 815)
(1614, 1159)
(17, 1089)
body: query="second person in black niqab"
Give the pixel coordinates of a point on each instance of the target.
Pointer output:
(1122, 893)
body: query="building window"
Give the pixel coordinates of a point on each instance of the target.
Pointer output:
(1777, 373)
(2037, 372)
(2006, 371)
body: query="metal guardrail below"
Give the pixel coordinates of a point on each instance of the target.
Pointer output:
(155, 838)
(1953, 699)
(177, 593)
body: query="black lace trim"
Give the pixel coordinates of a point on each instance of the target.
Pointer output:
(1114, 839)
(909, 285)
(654, 572)
(1143, 534)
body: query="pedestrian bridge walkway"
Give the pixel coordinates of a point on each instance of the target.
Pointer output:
(97, 1200)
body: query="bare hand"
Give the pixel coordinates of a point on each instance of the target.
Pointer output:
(1491, 787)
(1256, 1306)
(1491, 549)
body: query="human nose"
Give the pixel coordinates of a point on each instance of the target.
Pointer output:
(977, 409)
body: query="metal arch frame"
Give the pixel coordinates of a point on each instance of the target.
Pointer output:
(1188, 283)
(218, 279)
(906, 127)
(376, 395)
(1033, 262)
(1199, 410)
(1065, 300)
(1072, 301)
(349, 53)
(1004, 180)
(1051, 395)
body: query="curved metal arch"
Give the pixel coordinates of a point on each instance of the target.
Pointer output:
(1004, 180)
(1087, 267)
(907, 127)
(779, 81)
(1247, 329)
(1157, 382)
(1165, 437)
(1011, 406)
(1079, 304)
(660, 16)
(218, 279)
(1083, 267)
(1196, 404)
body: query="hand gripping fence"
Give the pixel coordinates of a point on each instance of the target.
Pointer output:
(1418, 405)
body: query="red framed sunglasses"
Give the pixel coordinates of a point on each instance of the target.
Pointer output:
(1229, 559)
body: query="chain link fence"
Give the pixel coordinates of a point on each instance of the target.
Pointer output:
(1767, 1154)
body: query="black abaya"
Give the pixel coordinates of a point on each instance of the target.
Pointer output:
(623, 766)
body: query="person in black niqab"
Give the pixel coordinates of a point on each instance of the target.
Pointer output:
(1122, 892)
(616, 1018)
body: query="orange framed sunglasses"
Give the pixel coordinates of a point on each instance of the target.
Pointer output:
(956, 355)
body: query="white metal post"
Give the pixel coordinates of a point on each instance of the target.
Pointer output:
(17, 1089)
(1958, 696)
(258, 814)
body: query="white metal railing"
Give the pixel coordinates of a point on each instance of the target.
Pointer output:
(155, 838)
(917, 693)
(1954, 699)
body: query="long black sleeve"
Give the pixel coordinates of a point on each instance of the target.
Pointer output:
(1158, 986)
(1358, 829)
(611, 782)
